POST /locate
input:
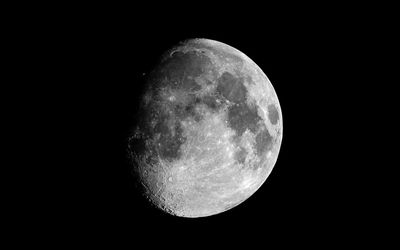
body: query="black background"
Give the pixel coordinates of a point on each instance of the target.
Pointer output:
(92, 63)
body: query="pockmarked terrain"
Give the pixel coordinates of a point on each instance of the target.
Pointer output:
(209, 130)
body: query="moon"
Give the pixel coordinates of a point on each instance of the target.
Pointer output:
(208, 132)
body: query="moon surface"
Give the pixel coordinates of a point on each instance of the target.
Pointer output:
(209, 130)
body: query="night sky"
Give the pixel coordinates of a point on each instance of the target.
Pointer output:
(97, 62)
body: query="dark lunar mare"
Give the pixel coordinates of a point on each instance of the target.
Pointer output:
(232, 88)
(158, 133)
(273, 114)
(213, 102)
(169, 138)
(263, 141)
(242, 117)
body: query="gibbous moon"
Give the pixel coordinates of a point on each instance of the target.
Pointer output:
(209, 130)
